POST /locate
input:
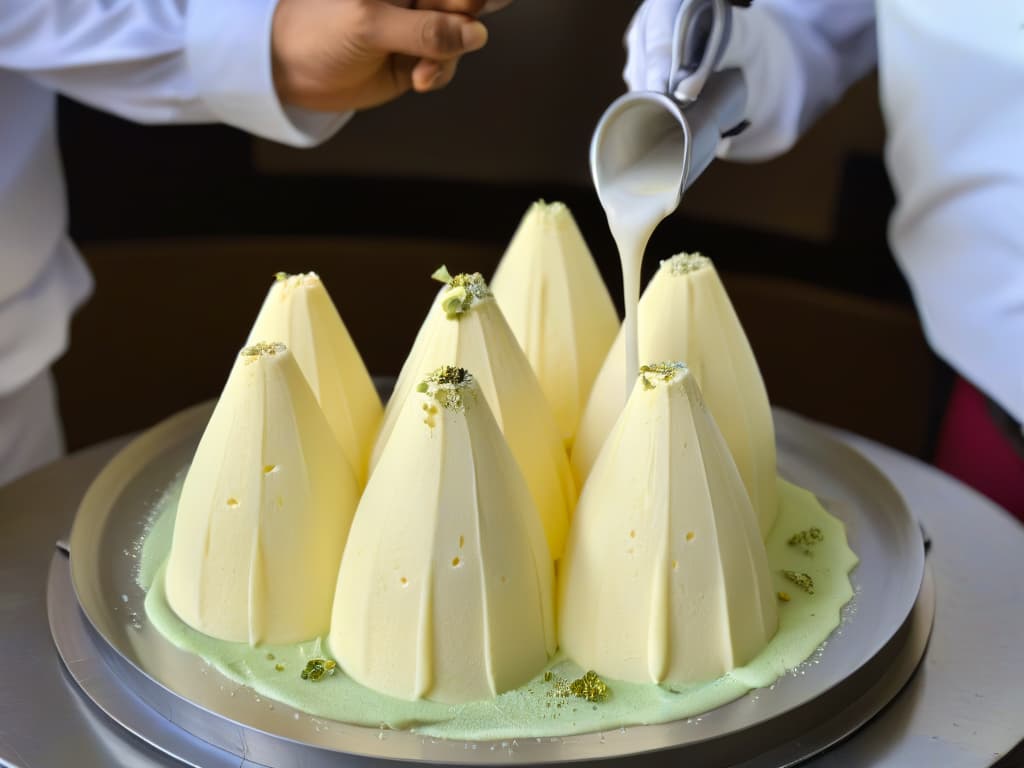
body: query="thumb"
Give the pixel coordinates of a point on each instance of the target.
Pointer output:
(423, 34)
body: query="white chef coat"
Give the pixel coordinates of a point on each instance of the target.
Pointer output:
(30, 430)
(152, 61)
(952, 90)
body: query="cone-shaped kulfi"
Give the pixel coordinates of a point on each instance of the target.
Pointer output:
(264, 510)
(686, 315)
(665, 578)
(552, 294)
(466, 328)
(446, 588)
(299, 313)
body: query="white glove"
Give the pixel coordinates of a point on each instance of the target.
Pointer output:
(797, 57)
(649, 45)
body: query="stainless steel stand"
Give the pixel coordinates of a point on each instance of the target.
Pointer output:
(140, 706)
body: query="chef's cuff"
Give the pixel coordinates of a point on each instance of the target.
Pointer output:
(228, 50)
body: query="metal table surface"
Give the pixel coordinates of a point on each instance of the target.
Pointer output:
(963, 709)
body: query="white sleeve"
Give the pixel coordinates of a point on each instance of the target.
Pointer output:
(950, 82)
(159, 61)
(798, 58)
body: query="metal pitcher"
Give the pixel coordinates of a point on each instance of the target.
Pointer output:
(688, 121)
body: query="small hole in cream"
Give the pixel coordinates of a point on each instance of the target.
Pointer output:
(403, 581)
(690, 536)
(455, 562)
(675, 565)
(632, 534)
(232, 502)
(462, 542)
(269, 468)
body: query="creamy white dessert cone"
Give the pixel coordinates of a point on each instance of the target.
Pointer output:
(299, 312)
(446, 588)
(466, 328)
(685, 314)
(264, 510)
(556, 303)
(665, 576)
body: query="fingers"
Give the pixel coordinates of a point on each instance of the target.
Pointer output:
(659, 28)
(420, 75)
(402, 68)
(635, 71)
(649, 45)
(436, 35)
(433, 75)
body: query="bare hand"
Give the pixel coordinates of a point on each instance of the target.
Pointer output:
(335, 55)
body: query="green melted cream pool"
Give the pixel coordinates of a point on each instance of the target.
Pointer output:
(534, 710)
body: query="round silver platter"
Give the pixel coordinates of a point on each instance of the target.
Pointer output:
(863, 665)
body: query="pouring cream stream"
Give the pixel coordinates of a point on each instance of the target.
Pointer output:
(636, 199)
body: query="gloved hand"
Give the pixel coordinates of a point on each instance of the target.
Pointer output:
(338, 55)
(649, 45)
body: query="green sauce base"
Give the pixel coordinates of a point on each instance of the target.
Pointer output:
(805, 622)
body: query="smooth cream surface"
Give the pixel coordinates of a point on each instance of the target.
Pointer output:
(446, 588)
(665, 547)
(481, 341)
(686, 315)
(264, 511)
(556, 303)
(299, 312)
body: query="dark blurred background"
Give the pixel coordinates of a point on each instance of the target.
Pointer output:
(184, 227)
